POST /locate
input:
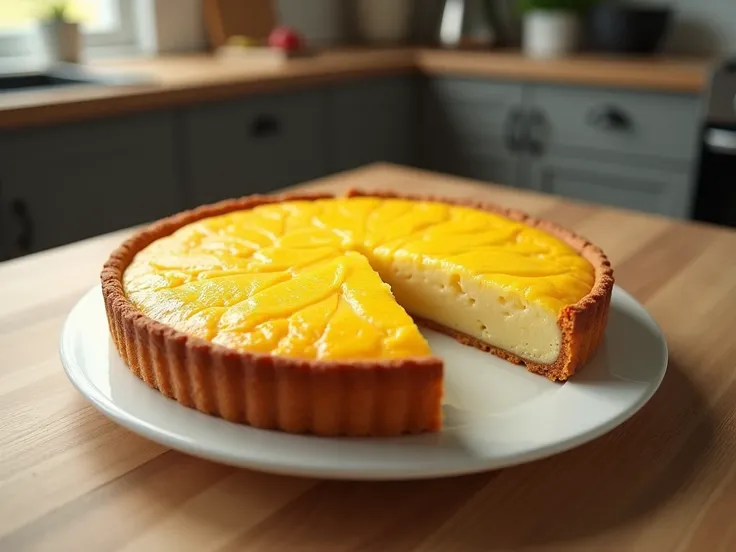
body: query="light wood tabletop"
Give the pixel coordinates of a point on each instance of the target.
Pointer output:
(664, 480)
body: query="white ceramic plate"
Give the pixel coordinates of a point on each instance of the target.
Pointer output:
(496, 414)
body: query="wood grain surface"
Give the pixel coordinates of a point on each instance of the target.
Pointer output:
(181, 80)
(664, 480)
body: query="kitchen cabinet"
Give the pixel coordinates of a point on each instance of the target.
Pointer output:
(616, 147)
(480, 161)
(655, 190)
(467, 128)
(254, 145)
(644, 125)
(65, 183)
(372, 120)
(625, 148)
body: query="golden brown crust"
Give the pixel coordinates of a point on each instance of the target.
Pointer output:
(377, 398)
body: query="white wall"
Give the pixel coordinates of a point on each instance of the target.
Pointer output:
(166, 26)
(700, 26)
(177, 24)
(321, 21)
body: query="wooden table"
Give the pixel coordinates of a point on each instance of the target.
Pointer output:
(665, 480)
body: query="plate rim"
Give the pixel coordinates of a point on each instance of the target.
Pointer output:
(114, 412)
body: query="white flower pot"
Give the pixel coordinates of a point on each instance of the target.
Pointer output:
(384, 20)
(63, 41)
(550, 33)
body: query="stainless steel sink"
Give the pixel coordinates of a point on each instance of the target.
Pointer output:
(32, 81)
(63, 77)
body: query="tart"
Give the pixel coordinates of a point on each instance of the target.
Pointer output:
(299, 312)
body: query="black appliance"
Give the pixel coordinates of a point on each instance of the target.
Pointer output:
(715, 200)
(624, 27)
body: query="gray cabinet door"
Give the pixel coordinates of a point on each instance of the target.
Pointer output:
(373, 120)
(65, 183)
(614, 184)
(647, 125)
(466, 125)
(254, 145)
(473, 161)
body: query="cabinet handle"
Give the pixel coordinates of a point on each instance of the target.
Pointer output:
(513, 132)
(264, 126)
(24, 240)
(609, 117)
(538, 132)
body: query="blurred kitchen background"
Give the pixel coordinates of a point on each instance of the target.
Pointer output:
(705, 27)
(117, 112)
(697, 27)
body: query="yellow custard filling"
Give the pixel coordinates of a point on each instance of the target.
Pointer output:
(331, 279)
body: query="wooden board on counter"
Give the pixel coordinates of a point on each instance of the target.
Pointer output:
(224, 19)
(664, 480)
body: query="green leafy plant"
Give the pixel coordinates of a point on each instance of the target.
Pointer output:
(54, 10)
(577, 6)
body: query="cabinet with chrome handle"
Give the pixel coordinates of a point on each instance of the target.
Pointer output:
(611, 145)
(265, 125)
(539, 132)
(514, 130)
(18, 228)
(610, 118)
(24, 238)
(526, 131)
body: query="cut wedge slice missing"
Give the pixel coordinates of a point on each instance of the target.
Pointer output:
(293, 313)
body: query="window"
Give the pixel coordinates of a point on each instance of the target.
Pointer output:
(105, 23)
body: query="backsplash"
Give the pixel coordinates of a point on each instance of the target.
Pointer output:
(700, 26)
(179, 26)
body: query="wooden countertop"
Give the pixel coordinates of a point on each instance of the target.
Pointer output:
(664, 480)
(176, 81)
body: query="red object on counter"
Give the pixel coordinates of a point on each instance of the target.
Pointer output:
(285, 38)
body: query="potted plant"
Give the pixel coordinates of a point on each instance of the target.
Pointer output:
(61, 34)
(551, 28)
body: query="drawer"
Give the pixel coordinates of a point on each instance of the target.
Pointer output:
(469, 109)
(667, 192)
(372, 120)
(380, 135)
(258, 120)
(474, 91)
(480, 160)
(385, 92)
(639, 123)
(255, 145)
(467, 124)
(95, 137)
